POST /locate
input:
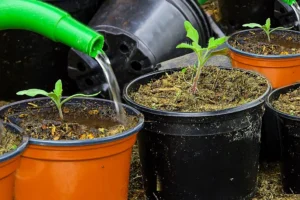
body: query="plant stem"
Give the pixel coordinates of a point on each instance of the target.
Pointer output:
(196, 79)
(201, 61)
(269, 39)
(60, 113)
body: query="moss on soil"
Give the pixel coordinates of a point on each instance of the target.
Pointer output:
(8, 140)
(217, 89)
(289, 103)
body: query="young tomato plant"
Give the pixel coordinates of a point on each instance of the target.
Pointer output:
(266, 27)
(56, 96)
(203, 54)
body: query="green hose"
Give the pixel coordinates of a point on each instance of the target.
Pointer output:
(201, 2)
(50, 22)
(289, 2)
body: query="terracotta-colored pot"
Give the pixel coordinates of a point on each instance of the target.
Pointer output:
(75, 169)
(9, 163)
(281, 70)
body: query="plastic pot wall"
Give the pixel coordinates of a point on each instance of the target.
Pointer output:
(74, 169)
(289, 129)
(9, 163)
(210, 155)
(138, 35)
(29, 60)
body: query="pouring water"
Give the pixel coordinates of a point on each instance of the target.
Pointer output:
(114, 89)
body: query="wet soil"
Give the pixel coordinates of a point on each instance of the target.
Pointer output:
(289, 103)
(256, 42)
(81, 122)
(218, 89)
(8, 141)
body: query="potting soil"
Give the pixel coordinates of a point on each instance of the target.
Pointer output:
(282, 43)
(289, 103)
(218, 89)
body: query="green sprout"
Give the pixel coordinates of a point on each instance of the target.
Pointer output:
(203, 54)
(266, 27)
(56, 96)
(14, 147)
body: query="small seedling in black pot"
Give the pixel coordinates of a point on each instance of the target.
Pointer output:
(198, 122)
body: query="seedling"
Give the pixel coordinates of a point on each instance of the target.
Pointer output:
(56, 96)
(203, 54)
(266, 27)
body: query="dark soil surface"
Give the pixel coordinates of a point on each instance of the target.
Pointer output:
(80, 122)
(282, 43)
(218, 89)
(289, 103)
(8, 140)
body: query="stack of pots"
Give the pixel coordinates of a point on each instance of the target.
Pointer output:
(191, 155)
(279, 130)
(281, 70)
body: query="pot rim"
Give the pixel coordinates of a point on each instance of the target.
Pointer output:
(258, 55)
(21, 147)
(280, 113)
(193, 114)
(69, 143)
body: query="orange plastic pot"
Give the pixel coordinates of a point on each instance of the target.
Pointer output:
(8, 165)
(281, 70)
(75, 169)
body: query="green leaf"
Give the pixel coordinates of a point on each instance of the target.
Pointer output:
(196, 46)
(58, 89)
(54, 98)
(183, 70)
(281, 29)
(214, 43)
(268, 24)
(79, 95)
(192, 33)
(185, 46)
(33, 92)
(252, 25)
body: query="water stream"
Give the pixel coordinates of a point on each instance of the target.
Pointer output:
(114, 89)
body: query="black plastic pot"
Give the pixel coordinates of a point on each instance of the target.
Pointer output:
(270, 138)
(209, 155)
(138, 35)
(235, 13)
(289, 130)
(29, 60)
